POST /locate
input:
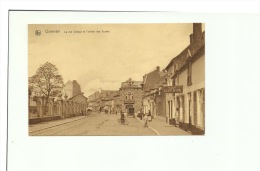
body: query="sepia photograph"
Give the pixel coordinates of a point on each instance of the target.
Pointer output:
(116, 79)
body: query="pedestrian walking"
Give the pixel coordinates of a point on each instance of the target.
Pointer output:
(145, 121)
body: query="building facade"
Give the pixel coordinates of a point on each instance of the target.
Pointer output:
(80, 98)
(116, 103)
(92, 101)
(169, 97)
(160, 96)
(150, 85)
(131, 95)
(190, 104)
(188, 71)
(72, 88)
(102, 100)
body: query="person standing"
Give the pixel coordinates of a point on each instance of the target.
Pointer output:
(145, 121)
(150, 116)
(122, 117)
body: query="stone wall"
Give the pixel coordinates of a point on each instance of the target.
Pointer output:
(55, 109)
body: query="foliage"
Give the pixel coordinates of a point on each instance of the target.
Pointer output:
(46, 81)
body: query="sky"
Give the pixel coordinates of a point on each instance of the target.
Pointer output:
(102, 56)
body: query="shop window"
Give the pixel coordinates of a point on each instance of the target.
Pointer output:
(177, 80)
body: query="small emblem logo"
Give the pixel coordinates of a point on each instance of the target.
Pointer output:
(37, 32)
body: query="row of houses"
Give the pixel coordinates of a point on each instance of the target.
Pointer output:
(129, 96)
(176, 93)
(104, 100)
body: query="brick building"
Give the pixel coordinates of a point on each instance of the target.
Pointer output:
(131, 95)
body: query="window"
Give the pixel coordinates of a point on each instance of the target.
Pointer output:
(130, 95)
(195, 107)
(182, 107)
(171, 82)
(189, 74)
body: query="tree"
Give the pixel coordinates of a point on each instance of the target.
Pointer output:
(47, 82)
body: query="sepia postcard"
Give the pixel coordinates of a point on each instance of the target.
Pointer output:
(116, 79)
(91, 91)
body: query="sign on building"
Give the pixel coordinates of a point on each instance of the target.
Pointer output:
(173, 89)
(129, 101)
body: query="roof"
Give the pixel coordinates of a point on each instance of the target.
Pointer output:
(163, 75)
(193, 48)
(151, 80)
(183, 53)
(117, 94)
(78, 95)
(131, 84)
(194, 57)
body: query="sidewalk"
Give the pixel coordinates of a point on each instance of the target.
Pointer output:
(44, 125)
(160, 126)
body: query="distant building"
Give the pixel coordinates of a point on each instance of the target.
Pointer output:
(116, 103)
(131, 95)
(102, 101)
(160, 96)
(80, 98)
(149, 85)
(72, 88)
(72, 92)
(92, 101)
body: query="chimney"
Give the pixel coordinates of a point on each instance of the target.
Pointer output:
(197, 32)
(191, 38)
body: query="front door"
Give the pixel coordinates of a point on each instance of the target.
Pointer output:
(127, 107)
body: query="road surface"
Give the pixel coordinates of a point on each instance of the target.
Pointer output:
(98, 124)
